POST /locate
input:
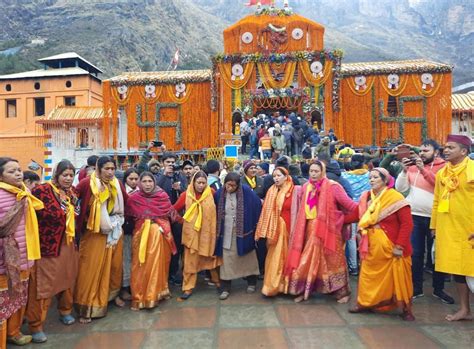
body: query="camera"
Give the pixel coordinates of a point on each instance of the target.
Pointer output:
(157, 143)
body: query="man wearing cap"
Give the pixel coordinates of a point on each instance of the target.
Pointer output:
(418, 180)
(452, 219)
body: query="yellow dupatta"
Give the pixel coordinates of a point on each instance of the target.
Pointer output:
(145, 231)
(251, 181)
(449, 176)
(196, 207)
(311, 213)
(70, 216)
(381, 206)
(31, 221)
(109, 192)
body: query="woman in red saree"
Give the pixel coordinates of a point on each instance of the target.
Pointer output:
(152, 243)
(385, 225)
(316, 260)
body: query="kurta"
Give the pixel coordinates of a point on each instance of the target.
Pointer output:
(235, 266)
(454, 252)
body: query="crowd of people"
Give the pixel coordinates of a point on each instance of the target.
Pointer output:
(98, 235)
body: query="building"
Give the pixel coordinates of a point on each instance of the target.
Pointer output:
(275, 60)
(463, 114)
(65, 80)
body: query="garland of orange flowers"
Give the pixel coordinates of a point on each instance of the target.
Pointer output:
(351, 83)
(226, 74)
(172, 90)
(280, 102)
(116, 95)
(308, 74)
(268, 80)
(437, 79)
(153, 100)
(394, 92)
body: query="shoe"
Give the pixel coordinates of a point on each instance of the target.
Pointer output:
(224, 295)
(20, 339)
(39, 337)
(417, 295)
(428, 270)
(443, 296)
(251, 289)
(67, 319)
(175, 281)
(353, 272)
(184, 296)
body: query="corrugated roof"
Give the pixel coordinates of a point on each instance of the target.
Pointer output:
(161, 77)
(73, 114)
(68, 55)
(462, 101)
(43, 73)
(399, 67)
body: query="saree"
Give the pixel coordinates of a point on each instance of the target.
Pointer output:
(316, 261)
(274, 225)
(385, 281)
(152, 247)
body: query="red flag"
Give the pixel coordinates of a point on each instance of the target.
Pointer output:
(262, 2)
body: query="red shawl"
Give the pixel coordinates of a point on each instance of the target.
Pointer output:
(326, 224)
(153, 205)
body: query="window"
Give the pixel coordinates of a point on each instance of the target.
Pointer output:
(11, 108)
(68, 84)
(70, 101)
(8, 87)
(37, 85)
(39, 106)
(83, 135)
(392, 106)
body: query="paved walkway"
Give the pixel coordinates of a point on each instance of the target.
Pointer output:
(251, 321)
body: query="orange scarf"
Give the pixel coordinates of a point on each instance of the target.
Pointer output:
(267, 226)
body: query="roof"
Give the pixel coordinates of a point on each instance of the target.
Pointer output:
(399, 67)
(73, 114)
(45, 73)
(66, 56)
(161, 77)
(462, 102)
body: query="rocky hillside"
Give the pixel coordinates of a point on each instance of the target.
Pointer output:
(120, 35)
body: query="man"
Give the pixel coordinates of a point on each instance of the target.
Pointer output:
(213, 168)
(265, 144)
(87, 170)
(244, 135)
(188, 170)
(323, 148)
(253, 142)
(173, 183)
(286, 130)
(452, 219)
(418, 179)
(147, 163)
(278, 143)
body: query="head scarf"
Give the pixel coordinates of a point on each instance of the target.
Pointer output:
(196, 207)
(389, 181)
(67, 198)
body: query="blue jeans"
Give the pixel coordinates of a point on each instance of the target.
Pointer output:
(420, 234)
(351, 250)
(267, 154)
(253, 151)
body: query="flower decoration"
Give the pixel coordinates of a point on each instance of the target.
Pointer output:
(427, 79)
(360, 82)
(393, 81)
(180, 90)
(150, 91)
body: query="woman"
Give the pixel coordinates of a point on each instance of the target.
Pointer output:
(385, 225)
(152, 243)
(316, 259)
(19, 247)
(199, 232)
(275, 224)
(238, 210)
(251, 179)
(55, 273)
(103, 199)
(130, 181)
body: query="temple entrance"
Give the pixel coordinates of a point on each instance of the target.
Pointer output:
(317, 118)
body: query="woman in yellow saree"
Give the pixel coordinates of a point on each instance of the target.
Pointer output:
(385, 225)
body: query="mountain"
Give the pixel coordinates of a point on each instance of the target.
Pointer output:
(130, 35)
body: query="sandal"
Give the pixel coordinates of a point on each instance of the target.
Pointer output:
(185, 296)
(119, 302)
(67, 319)
(20, 339)
(84, 320)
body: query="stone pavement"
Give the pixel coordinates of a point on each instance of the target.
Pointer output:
(252, 321)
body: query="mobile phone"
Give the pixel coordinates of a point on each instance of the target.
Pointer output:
(157, 143)
(403, 152)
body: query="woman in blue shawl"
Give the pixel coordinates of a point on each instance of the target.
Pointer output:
(238, 211)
